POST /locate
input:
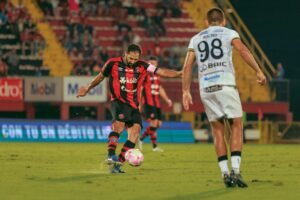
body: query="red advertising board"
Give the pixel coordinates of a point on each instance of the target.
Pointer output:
(11, 89)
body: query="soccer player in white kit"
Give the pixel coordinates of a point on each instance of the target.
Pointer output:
(212, 49)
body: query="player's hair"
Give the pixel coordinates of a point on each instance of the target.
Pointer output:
(153, 58)
(134, 47)
(215, 15)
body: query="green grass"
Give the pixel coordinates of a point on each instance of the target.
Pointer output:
(38, 171)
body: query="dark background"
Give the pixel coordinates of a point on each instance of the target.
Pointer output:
(276, 26)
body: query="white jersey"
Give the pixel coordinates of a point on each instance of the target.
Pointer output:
(213, 51)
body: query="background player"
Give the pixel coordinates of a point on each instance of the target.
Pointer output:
(152, 91)
(126, 76)
(212, 48)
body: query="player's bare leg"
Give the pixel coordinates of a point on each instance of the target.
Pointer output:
(221, 150)
(112, 160)
(117, 128)
(133, 135)
(236, 150)
(153, 137)
(151, 131)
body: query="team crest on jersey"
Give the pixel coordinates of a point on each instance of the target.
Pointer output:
(128, 70)
(121, 116)
(152, 115)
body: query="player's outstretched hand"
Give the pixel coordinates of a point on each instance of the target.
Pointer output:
(82, 91)
(169, 102)
(187, 100)
(261, 78)
(180, 74)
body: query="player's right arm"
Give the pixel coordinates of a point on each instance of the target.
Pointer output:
(187, 79)
(85, 89)
(249, 59)
(163, 94)
(97, 80)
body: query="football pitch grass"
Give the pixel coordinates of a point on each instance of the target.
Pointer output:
(51, 171)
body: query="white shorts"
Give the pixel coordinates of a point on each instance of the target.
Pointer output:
(222, 103)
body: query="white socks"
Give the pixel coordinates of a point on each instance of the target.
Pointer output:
(236, 163)
(224, 166)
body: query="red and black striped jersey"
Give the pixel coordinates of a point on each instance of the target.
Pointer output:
(151, 90)
(126, 82)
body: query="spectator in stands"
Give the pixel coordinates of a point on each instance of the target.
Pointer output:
(280, 74)
(3, 18)
(13, 61)
(63, 10)
(122, 23)
(158, 19)
(76, 41)
(174, 55)
(25, 40)
(124, 39)
(3, 69)
(278, 84)
(67, 41)
(46, 7)
(37, 44)
(134, 38)
(75, 54)
(85, 39)
(175, 9)
(130, 5)
(104, 54)
(96, 68)
(55, 4)
(73, 6)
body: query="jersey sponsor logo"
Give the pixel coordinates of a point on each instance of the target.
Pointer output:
(124, 80)
(205, 67)
(123, 88)
(217, 64)
(210, 36)
(209, 78)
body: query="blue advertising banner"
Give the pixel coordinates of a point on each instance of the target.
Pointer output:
(83, 131)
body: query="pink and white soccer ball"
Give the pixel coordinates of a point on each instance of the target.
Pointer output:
(134, 157)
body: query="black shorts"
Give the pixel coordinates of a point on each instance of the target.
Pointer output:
(125, 113)
(152, 112)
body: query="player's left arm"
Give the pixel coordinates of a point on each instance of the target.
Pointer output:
(163, 94)
(187, 79)
(249, 58)
(168, 73)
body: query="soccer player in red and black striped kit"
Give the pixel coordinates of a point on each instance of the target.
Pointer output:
(126, 76)
(152, 91)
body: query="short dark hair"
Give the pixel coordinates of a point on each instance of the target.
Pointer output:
(134, 47)
(153, 58)
(215, 15)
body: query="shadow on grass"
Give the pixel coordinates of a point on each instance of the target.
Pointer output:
(71, 178)
(201, 195)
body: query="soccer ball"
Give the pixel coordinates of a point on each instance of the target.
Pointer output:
(134, 157)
